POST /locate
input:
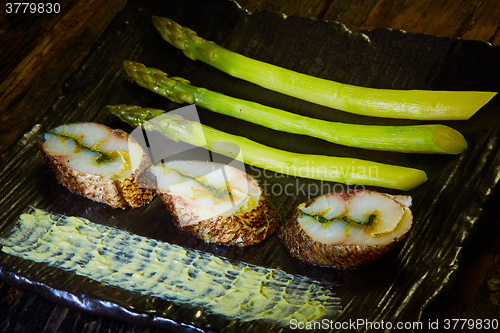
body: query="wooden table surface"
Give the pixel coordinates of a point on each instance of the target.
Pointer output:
(39, 51)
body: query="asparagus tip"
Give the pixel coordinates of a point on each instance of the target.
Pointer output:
(132, 114)
(181, 37)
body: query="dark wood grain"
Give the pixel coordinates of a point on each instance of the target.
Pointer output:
(476, 20)
(38, 52)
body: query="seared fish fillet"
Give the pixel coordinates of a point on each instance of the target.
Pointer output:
(215, 202)
(93, 160)
(347, 229)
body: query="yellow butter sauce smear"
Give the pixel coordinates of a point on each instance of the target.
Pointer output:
(153, 268)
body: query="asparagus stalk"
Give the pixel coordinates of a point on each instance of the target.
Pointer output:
(389, 103)
(328, 168)
(427, 138)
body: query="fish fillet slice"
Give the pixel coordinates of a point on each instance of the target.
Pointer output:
(215, 202)
(347, 229)
(93, 161)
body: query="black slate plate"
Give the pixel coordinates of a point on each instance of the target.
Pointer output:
(447, 209)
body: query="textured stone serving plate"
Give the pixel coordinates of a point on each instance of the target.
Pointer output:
(447, 209)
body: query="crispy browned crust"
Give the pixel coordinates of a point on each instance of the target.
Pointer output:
(118, 193)
(243, 229)
(303, 247)
(134, 195)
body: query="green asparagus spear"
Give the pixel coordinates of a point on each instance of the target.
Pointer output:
(328, 168)
(438, 139)
(389, 103)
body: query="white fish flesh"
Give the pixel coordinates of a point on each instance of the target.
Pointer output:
(215, 202)
(93, 160)
(347, 229)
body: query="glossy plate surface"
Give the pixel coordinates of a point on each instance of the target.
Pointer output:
(447, 209)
